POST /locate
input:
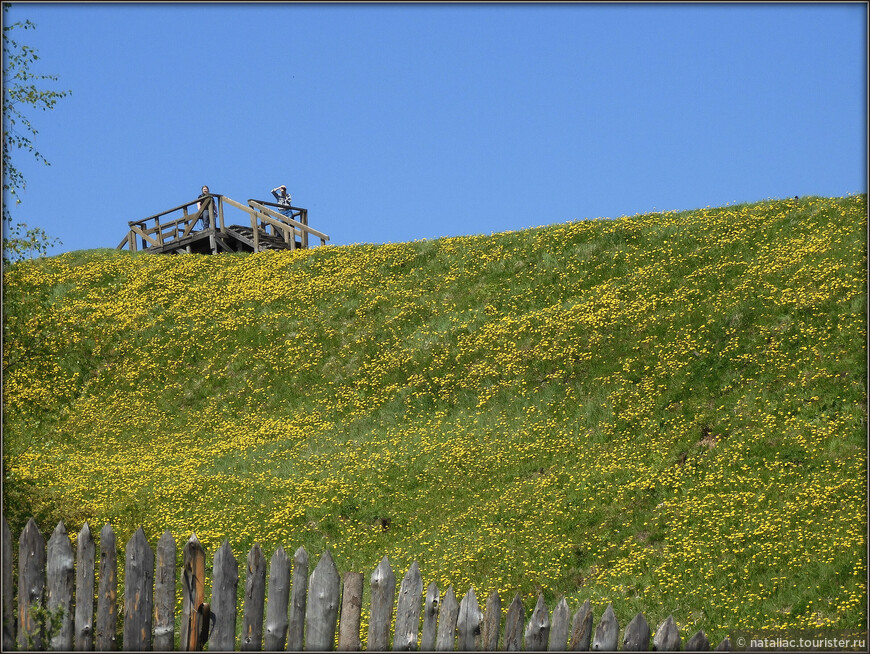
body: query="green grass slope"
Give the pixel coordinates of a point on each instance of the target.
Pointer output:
(664, 411)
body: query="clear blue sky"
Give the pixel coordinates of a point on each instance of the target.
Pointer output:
(393, 123)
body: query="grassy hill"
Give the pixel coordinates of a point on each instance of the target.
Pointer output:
(665, 411)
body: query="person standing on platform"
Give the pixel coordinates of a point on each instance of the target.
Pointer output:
(202, 199)
(283, 198)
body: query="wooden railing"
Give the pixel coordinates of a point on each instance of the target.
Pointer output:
(162, 228)
(311, 611)
(167, 229)
(298, 219)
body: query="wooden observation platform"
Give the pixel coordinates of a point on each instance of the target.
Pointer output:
(204, 230)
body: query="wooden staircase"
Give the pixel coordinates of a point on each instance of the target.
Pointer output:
(245, 235)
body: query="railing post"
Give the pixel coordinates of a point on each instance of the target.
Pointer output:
(212, 226)
(212, 216)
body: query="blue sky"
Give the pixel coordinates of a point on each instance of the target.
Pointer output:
(398, 122)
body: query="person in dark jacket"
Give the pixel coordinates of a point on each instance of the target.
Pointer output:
(202, 198)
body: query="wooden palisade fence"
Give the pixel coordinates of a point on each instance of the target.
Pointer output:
(304, 612)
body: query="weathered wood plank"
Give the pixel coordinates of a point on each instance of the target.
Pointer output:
(514, 624)
(85, 583)
(431, 606)
(321, 616)
(491, 622)
(407, 625)
(637, 635)
(204, 622)
(351, 613)
(607, 631)
(445, 640)
(667, 638)
(470, 622)
(298, 601)
(559, 627)
(164, 594)
(255, 232)
(138, 593)
(538, 627)
(107, 600)
(383, 593)
(279, 597)
(31, 585)
(192, 593)
(157, 216)
(145, 237)
(698, 642)
(581, 628)
(7, 576)
(255, 598)
(224, 594)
